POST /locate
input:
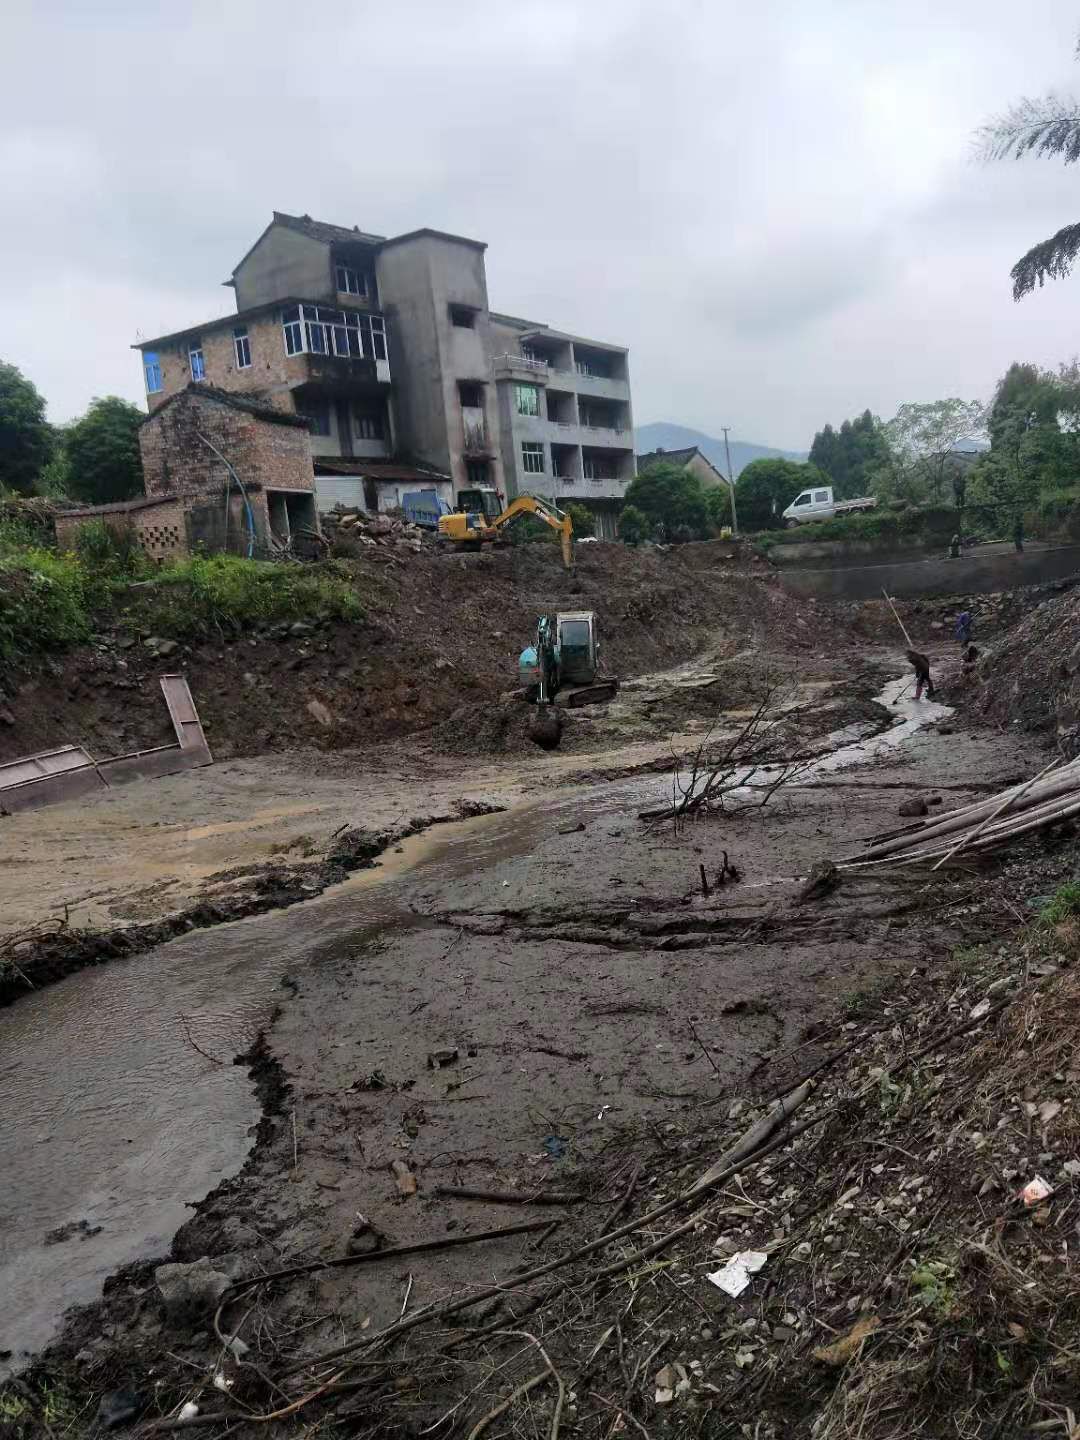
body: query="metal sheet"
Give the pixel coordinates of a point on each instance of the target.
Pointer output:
(185, 718)
(47, 762)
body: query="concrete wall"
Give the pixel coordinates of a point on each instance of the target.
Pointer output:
(284, 263)
(971, 574)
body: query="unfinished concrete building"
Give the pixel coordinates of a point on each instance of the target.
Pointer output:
(389, 350)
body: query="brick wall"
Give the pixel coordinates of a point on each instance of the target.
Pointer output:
(160, 529)
(175, 460)
(267, 376)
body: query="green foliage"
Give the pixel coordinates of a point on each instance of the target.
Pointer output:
(634, 526)
(851, 455)
(930, 526)
(55, 478)
(765, 488)
(217, 593)
(26, 437)
(111, 550)
(102, 450)
(922, 440)
(673, 500)
(1064, 904)
(582, 518)
(718, 506)
(43, 602)
(933, 1283)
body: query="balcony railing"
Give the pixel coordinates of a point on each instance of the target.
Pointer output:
(521, 364)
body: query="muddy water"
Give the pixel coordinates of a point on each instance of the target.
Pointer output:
(114, 1121)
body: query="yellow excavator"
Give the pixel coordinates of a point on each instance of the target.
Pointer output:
(470, 528)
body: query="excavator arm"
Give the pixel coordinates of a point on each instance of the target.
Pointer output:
(547, 512)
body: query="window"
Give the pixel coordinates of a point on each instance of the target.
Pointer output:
(532, 356)
(463, 317)
(350, 281)
(242, 346)
(152, 371)
(346, 333)
(195, 360)
(478, 473)
(316, 412)
(292, 329)
(821, 497)
(367, 423)
(532, 458)
(471, 395)
(597, 469)
(527, 399)
(804, 498)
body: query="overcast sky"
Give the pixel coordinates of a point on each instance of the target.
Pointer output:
(773, 205)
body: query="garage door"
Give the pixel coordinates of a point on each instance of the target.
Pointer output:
(331, 490)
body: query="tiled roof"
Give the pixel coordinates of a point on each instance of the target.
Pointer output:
(258, 408)
(329, 234)
(117, 507)
(673, 457)
(376, 469)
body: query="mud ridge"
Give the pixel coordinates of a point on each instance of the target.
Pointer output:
(33, 960)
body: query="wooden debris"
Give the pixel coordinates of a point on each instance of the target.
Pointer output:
(841, 1351)
(404, 1179)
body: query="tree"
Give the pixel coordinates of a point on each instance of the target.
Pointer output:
(581, 517)
(634, 527)
(766, 487)
(103, 452)
(672, 499)
(26, 437)
(851, 455)
(1029, 450)
(1044, 127)
(924, 438)
(718, 506)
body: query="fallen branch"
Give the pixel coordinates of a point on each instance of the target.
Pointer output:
(757, 1134)
(509, 1197)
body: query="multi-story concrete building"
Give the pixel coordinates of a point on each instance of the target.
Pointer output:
(389, 348)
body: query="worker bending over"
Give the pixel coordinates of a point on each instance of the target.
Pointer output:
(922, 674)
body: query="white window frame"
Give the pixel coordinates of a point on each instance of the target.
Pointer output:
(152, 371)
(370, 426)
(197, 362)
(519, 391)
(531, 451)
(343, 272)
(320, 330)
(242, 347)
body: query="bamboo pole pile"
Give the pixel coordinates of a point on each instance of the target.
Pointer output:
(1046, 799)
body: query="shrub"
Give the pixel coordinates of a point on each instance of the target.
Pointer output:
(43, 603)
(582, 518)
(217, 593)
(634, 526)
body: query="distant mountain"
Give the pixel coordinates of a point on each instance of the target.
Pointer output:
(661, 435)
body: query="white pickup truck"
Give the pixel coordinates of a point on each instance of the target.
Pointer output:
(819, 505)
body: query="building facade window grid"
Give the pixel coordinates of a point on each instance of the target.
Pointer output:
(527, 399)
(152, 371)
(345, 333)
(242, 346)
(350, 281)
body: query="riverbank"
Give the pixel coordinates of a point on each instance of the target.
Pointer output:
(564, 966)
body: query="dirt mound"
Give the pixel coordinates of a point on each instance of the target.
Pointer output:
(441, 631)
(1031, 676)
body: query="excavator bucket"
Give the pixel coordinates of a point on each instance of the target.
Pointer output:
(545, 727)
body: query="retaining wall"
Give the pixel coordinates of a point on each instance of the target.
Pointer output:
(971, 574)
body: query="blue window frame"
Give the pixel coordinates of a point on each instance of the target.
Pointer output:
(152, 371)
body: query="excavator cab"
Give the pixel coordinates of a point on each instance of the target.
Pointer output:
(579, 653)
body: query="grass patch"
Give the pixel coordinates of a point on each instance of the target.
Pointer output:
(216, 594)
(44, 602)
(1063, 905)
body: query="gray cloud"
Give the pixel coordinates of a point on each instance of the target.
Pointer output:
(773, 206)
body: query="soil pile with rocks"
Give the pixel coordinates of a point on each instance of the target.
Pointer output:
(1030, 677)
(441, 630)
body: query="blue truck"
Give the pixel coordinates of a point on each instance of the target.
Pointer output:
(424, 507)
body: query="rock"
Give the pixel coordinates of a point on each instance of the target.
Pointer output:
(124, 642)
(404, 1179)
(913, 807)
(783, 1332)
(167, 647)
(189, 1291)
(301, 627)
(6, 717)
(439, 1059)
(120, 1407)
(318, 712)
(380, 525)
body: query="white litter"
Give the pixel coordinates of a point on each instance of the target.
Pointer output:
(221, 1382)
(1036, 1191)
(978, 1011)
(734, 1277)
(188, 1411)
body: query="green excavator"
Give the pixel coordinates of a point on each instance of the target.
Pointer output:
(563, 661)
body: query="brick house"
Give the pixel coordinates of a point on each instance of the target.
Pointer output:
(202, 444)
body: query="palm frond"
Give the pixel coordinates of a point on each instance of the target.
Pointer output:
(1053, 259)
(1047, 126)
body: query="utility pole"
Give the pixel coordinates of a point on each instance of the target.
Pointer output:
(731, 481)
